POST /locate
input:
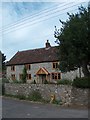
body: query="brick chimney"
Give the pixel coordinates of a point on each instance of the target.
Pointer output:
(48, 44)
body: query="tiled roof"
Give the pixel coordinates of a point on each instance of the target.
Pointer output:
(34, 56)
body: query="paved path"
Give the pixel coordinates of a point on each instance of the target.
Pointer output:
(13, 108)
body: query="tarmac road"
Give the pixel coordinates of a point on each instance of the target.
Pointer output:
(14, 108)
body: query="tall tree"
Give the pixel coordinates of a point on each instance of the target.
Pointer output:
(74, 42)
(24, 77)
(2, 62)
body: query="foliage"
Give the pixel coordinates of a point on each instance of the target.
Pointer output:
(64, 82)
(74, 42)
(35, 96)
(5, 80)
(21, 97)
(17, 81)
(58, 102)
(3, 62)
(34, 82)
(46, 82)
(81, 82)
(24, 75)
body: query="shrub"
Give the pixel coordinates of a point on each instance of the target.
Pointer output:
(5, 80)
(35, 96)
(58, 102)
(64, 82)
(81, 82)
(21, 97)
(17, 81)
(46, 82)
(24, 75)
(34, 82)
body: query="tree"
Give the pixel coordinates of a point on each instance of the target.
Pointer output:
(73, 41)
(2, 62)
(24, 76)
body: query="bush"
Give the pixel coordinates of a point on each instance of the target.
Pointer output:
(35, 96)
(5, 80)
(81, 82)
(24, 75)
(34, 82)
(58, 102)
(46, 82)
(17, 81)
(21, 97)
(64, 82)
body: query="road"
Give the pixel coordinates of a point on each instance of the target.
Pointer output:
(13, 108)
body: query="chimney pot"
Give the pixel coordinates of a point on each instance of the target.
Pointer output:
(48, 44)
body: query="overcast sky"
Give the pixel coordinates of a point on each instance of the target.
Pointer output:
(27, 25)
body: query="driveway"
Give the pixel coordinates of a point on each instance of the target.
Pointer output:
(14, 108)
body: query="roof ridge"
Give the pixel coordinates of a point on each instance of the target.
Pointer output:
(35, 49)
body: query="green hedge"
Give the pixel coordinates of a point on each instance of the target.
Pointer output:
(81, 82)
(64, 82)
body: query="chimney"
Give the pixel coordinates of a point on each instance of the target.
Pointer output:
(48, 44)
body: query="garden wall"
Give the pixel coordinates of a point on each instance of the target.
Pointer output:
(67, 94)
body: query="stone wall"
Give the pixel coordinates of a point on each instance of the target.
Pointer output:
(67, 94)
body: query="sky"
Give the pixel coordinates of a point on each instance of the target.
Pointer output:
(28, 25)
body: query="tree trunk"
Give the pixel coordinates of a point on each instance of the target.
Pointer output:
(85, 70)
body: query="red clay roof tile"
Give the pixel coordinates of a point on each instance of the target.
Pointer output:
(34, 56)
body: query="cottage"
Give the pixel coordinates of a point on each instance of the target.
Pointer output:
(41, 64)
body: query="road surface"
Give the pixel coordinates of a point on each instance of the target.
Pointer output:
(14, 108)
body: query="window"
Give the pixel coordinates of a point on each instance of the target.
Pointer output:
(28, 66)
(55, 65)
(13, 76)
(56, 76)
(29, 76)
(52, 75)
(20, 76)
(12, 68)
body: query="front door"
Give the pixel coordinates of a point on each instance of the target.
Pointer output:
(42, 78)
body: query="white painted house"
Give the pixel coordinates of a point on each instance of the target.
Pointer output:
(41, 64)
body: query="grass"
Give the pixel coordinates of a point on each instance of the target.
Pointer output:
(33, 98)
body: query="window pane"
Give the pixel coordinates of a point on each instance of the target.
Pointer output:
(52, 75)
(13, 76)
(59, 75)
(53, 65)
(28, 66)
(28, 76)
(13, 68)
(56, 76)
(56, 65)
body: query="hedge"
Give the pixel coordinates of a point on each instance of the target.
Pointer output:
(81, 82)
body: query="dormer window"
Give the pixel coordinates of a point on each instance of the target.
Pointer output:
(12, 68)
